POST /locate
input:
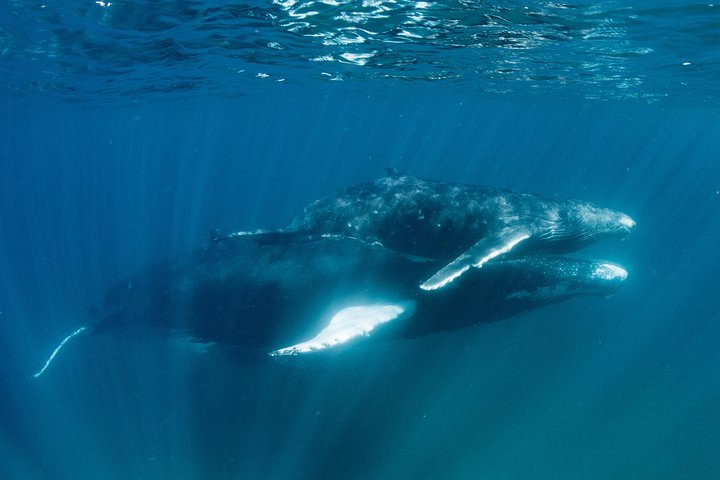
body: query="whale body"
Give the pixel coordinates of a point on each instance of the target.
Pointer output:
(461, 226)
(294, 296)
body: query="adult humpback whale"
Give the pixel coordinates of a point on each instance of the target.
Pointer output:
(463, 226)
(307, 294)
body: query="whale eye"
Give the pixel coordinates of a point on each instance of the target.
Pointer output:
(563, 213)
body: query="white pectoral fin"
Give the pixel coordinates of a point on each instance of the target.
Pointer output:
(448, 273)
(350, 323)
(477, 255)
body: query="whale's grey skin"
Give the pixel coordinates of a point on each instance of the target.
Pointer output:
(511, 287)
(252, 292)
(462, 226)
(274, 294)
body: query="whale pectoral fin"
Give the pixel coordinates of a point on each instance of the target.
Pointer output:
(448, 273)
(350, 323)
(477, 255)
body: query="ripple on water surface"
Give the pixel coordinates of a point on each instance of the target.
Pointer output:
(598, 50)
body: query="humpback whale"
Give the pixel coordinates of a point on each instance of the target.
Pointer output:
(462, 226)
(293, 296)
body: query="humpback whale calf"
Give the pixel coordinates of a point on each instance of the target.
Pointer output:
(464, 226)
(293, 296)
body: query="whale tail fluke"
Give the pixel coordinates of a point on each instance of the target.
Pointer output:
(57, 350)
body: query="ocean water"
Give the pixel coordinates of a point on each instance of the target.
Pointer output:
(129, 129)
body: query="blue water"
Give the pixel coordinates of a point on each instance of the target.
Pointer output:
(128, 131)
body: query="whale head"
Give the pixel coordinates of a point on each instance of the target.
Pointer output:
(599, 277)
(584, 223)
(552, 278)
